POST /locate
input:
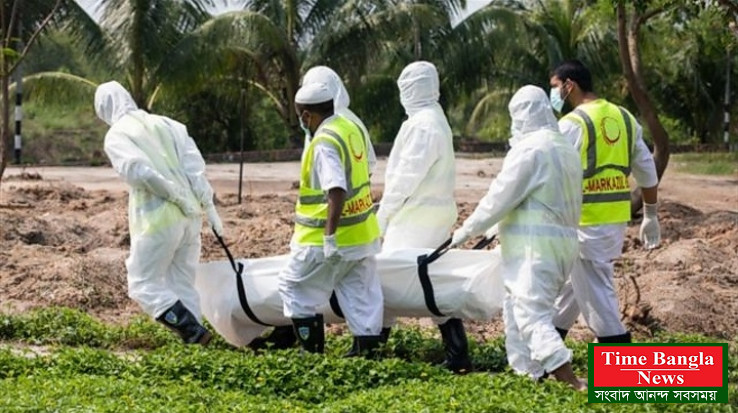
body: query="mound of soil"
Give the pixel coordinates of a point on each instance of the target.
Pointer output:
(66, 247)
(689, 283)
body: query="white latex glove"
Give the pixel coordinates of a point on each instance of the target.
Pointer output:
(492, 232)
(214, 220)
(650, 229)
(188, 207)
(330, 248)
(460, 236)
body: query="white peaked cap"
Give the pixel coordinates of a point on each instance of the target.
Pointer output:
(313, 93)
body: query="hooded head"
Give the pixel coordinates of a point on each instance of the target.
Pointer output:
(530, 111)
(419, 86)
(326, 75)
(112, 101)
(313, 104)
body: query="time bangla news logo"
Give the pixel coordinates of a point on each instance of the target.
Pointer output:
(658, 373)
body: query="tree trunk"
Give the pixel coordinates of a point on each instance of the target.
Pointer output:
(5, 126)
(630, 61)
(137, 59)
(7, 68)
(417, 42)
(4, 98)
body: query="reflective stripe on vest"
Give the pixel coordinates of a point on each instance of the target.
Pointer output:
(358, 223)
(606, 161)
(348, 168)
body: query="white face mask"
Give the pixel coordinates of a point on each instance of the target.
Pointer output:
(557, 103)
(304, 128)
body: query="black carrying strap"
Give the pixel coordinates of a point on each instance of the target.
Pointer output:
(425, 281)
(238, 269)
(424, 277)
(484, 242)
(334, 305)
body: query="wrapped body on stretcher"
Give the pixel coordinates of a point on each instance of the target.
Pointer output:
(465, 284)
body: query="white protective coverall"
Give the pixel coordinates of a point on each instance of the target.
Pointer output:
(341, 102)
(418, 208)
(536, 198)
(599, 245)
(168, 191)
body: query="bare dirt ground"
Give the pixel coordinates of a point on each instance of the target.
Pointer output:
(64, 239)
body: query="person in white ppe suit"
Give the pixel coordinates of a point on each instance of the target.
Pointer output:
(283, 336)
(168, 192)
(536, 198)
(336, 234)
(611, 145)
(418, 208)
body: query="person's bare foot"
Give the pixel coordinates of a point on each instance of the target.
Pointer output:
(566, 374)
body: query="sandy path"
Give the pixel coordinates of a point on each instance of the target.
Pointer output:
(708, 193)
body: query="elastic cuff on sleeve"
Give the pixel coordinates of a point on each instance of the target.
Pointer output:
(651, 209)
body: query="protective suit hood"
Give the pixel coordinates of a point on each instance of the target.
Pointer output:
(530, 111)
(326, 75)
(419, 86)
(112, 101)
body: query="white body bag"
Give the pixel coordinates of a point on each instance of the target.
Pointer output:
(464, 284)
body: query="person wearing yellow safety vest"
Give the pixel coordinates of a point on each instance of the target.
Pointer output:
(536, 201)
(168, 193)
(611, 146)
(418, 208)
(336, 233)
(283, 336)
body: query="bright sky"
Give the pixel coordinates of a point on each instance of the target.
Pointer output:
(228, 5)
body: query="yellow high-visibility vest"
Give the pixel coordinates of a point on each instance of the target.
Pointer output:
(358, 223)
(608, 134)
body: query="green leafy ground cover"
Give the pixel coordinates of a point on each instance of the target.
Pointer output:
(58, 360)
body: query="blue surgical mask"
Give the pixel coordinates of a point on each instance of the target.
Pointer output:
(304, 128)
(557, 103)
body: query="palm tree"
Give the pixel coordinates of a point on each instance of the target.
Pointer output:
(283, 38)
(139, 40)
(21, 24)
(697, 53)
(511, 43)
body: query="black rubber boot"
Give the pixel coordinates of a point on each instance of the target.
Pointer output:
(280, 338)
(366, 346)
(180, 320)
(562, 332)
(383, 337)
(456, 346)
(385, 333)
(354, 350)
(620, 338)
(310, 333)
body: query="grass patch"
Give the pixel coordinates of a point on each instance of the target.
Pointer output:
(53, 134)
(706, 163)
(87, 366)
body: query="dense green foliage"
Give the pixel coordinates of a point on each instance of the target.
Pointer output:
(195, 65)
(64, 360)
